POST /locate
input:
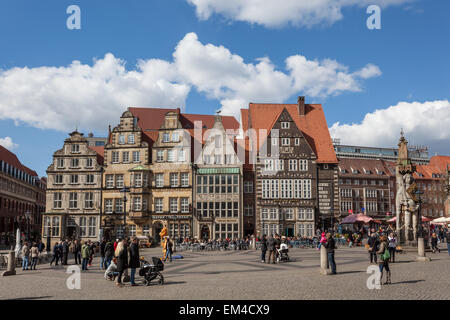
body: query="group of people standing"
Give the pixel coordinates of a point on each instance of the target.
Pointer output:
(30, 251)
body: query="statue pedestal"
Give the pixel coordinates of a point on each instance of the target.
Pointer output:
(421, 251)
(324, 262)
(11, 270)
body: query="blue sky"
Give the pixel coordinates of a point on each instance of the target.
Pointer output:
(410, 53)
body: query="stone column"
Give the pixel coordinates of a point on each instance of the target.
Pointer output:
(11, 270)
(407, 226)
(414, 225)
(324, 261)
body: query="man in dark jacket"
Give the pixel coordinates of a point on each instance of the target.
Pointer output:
(271, 248)
(60, 251)
(263, 248)
(277, 245)
(65, 252)
(134, 259)
(330, 246)
(102, 254)
(374, 244)
(109, 253)
(77, 251)
(55, 254)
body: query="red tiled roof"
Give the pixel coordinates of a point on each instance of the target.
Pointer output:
(313, 125)
(100, 150)
(10, 158)
(441, 162)
(426, 171)
(371, 165)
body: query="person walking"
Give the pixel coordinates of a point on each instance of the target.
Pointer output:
(109, 253)
(65, 252)
(277, 241)
(85, 253)
(392, 246)
(102, 254)
(77, 251)
(25, 256)
(271, 249)
(373, 243)
(134, 259)
(263, 248)
(121, 254)
(447, 236)
(330, 246)
(384, 260)
(34, 256)
(40, 246)
(169, 249)
(434, 243)
(55, 254)
(60, 251)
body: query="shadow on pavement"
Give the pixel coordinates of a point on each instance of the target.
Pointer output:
(31, 298)
(408, 281)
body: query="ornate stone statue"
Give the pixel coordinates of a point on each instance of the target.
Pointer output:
(405, 202)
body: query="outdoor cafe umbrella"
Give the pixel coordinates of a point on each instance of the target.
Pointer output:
(394, 219)
(354, 218)
(441, 220)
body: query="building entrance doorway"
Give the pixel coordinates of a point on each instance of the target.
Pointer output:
(289, 231)
(205, 232)
(71, 232)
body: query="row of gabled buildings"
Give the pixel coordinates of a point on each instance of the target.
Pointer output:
(205, 176)
(22, 198)
(209, 176)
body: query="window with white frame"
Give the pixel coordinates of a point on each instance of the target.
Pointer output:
(184, 205)
(119, 181)
(137, 204)
(136, 156)
(158, 205)
(166, 137)
(279, 164)
(175, 137)
(131, 139)
(346, 206)
(228, 159)
(274, 188)
(89, 163)
(303, 165)
(74, 163)
(92, 232)
(285, 141)
(174, 179)
(173, 205)
(159, 180)
(60, 163)
(73, 200)
(57, 200)
(284, 125)
(160, 155)
(297, 141)
(301, 214)
(58, 178)
(132, 230)
(114, 157)
(170, 155)
(309, 214)
(371, 206)
(265, 213)
(292, 165)
(289, 213)
(126, 157)
(83, 226)
(184, 179)
(108, 205)
(268, 165)
(309, 230)
(73, 178)
(273, 213)
(345, 192)
(138, 180)
(181, 155)
(301, 230)
(121, 138)
(371, 193)
(89, 200)
(90, 179)
(146, 230)
(248, 186)
(109, 181)
(118, 204)
(75, 148)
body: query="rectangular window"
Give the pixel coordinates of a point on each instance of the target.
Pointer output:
(60, 163)
(83, 226)
(303, 164)
(248, 186)
(109, 181)
(309, 214)
(108, 205)
(118, 205)
(235, 209)
(228, 159)
(160, 155)
(297, 141)
(73, 200)
(58, 179)
(285, 141)
(285, 125)
(119, 181)
(217, 159)
(131, 139)
(207, 159)
(184, 179)
(114, 157)
(75, 148)
(137, 180)
(137, 204)
(121, 139)
(92, 227)
(158, 205)
(181, 155)
(89, 163)
(292, 165)
(174, 180)
(273, 213)
(89, 200)
(126, 157)
(289, 214)
(173, 205)
(166, 137)
(90, 179)
(132, 230)
(159, 180)
(57, 200)
(279, 165)
(170, 156)
(248, 210)
(136, 156)
(74, 163)
(175, 137)
(184, 205)
(73, 178)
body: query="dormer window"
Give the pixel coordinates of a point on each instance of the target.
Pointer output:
(131, 139)
(166, 137)
(285, 125)
(354, 171)
(75, 148)
(342, 170)
(121, 139)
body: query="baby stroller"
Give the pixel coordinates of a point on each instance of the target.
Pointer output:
(152, 271)
(283, 253)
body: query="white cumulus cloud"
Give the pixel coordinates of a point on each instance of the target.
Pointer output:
(93, 96)
(8, 143)
(424, 123)
(276, 13)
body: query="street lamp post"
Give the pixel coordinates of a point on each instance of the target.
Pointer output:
(124, 190)
(420, 242)
(28, 216)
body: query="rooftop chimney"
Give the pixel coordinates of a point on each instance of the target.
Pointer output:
(301, 105)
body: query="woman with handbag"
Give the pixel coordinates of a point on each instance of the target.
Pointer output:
(121, 254)
(383, 259)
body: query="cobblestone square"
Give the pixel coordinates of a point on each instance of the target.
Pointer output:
(241, 275)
